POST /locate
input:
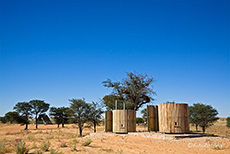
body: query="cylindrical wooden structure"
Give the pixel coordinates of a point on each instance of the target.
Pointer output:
(152, 118)
(108, 121)
(120, 122)
(131, 120)
(173, 118)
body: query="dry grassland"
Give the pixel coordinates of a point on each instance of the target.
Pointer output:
(66, 140)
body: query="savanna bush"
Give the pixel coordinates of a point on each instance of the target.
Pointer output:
(86, 142)
(21, 148)
(228, 122)
(45, 146)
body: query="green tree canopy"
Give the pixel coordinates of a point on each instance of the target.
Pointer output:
(228, 122)
(3, 120)
(24, 109)
(144, 113)
(109, 101)
(12, 117)
(202, 115)
(139, 120)
(95, 114)
(59, 114)
(134, 90)
(39, 107)
(80, 111)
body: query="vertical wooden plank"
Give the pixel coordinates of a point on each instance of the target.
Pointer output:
(131, 120)
(108, 121)
(120, 121)
(156, 119)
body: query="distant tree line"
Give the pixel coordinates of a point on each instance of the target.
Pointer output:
(79, 112)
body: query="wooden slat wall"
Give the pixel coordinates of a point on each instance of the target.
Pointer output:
(131, 120)
(108, 121)
(120, 121)
(173, 118)
(152, 118)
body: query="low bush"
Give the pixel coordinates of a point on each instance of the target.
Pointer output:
(38, 152)
(74, 148)
(52, 151)
(86, 142)
(45, 146)
(63, 144)
(21, 148)
(75, 141)
(4, 149)
(228, 122)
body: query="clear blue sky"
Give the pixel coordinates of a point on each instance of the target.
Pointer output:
(57, 50)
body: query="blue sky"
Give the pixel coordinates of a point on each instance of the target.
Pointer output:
(57, 50)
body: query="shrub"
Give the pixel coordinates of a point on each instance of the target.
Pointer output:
(228, 122)
(34, 146)
(139, 120)
(86, 142)
(74, 148)
(75, 141)
(21, 148)
(45, 146)
(52, 151)
(63, 144)
(107, 150)
(17, 140)
(4, 149)
(38, 152)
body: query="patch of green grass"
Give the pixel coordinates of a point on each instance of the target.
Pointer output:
(74, 148)
(52, 151)
(50, 137)
(45, 146)
(75, 141)
(63, 144)
(5, 149)
(21, 148)
(31, 138)
(86, 142)
(34, 146)
(107, 150)
(38, 152)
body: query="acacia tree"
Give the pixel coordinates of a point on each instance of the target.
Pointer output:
(38, 107)
(59, 114)
(109, 102)
(203, 115)
(193, 119)
(95, 114)
(80, 111)
(144, 113)
(12, 117)
(24, 109)
(228, 122)
(134, 90)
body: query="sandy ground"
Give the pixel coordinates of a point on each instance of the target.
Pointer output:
(107, 142)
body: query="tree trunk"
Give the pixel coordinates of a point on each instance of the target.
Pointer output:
(58, 125)
(36, 117)
(80, 130)
(203, 128)
(63, 124)
(95, 125)
(26, 126)
(196, 127)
